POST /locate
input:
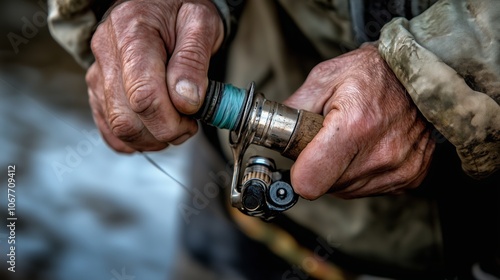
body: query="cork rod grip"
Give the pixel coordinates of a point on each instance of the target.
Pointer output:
(308, 125)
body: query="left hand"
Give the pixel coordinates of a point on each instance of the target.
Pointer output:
(152, 59)
(373, 141)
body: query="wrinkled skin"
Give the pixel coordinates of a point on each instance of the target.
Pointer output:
(373, 139)
(151, 69)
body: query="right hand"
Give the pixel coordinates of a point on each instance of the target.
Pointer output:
(373, 141)
(150, 71)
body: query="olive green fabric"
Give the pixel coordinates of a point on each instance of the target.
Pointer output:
(448, 59)
(71, 24)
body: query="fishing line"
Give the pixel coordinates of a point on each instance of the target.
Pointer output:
(148, 158)
(230, 107)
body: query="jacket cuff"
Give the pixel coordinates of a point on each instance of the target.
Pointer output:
(71, 24)
(469, 118)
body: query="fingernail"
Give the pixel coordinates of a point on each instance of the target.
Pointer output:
(188, 91)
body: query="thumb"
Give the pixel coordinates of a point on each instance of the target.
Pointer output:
(199, 33)
(325, 159)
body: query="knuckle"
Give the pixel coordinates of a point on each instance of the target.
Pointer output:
(322, 69)
(142, 97)
(91, 75)
(134, 24)
(130, 21)
(397, 155)
(126, 10)
(192, 55)
(122, 8)
(98, 41)
(328, 68)
(382, 161)
(94, 42)
(393, 158)
(202, 10)
(415, 169)
(389, 153)
(199, 14)
(132, 17)
(408, 174)
(123, 127)
(102, 46)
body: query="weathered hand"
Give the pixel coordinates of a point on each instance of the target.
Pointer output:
(151, 69)
(374, 141)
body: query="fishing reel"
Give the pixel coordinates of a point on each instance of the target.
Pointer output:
(264, 191)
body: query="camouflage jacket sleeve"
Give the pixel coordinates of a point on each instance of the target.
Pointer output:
(72, 23)
(448, 58)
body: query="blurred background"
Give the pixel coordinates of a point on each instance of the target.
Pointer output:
(83, 211)
(86, 212)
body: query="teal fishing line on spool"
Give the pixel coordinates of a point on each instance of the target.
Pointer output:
(229, 108)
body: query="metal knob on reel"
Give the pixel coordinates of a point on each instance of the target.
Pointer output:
(264, 194)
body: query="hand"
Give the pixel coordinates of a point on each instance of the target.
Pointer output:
(373, 140)
(151, 69)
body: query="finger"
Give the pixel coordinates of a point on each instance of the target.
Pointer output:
(93, 78)
(122, 121)
(198, 35)
(382, 151)
(313, 173)
(142, 54)
(397, 180)
(423, 155)
(108, 136)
